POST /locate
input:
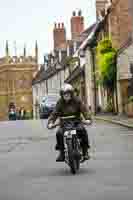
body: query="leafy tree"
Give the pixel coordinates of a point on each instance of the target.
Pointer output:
(106, 62)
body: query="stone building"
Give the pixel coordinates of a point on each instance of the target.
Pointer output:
(16, 74)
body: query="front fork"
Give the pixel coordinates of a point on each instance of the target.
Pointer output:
(75, 143)
(66, 150)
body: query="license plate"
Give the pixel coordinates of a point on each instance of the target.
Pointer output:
(68, 134)
(73, 132)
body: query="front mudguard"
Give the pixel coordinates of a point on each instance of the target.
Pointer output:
(76, 155)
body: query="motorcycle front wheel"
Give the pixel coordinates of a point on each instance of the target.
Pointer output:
(73, 163)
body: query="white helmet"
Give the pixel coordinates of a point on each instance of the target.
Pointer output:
(66, 88)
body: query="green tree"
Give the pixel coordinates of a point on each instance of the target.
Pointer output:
(106, 62)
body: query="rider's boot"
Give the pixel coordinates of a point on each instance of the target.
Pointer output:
(57, 148)
(61, 156)
(86, 155)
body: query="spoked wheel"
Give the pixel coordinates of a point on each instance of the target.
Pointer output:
(78, 164)
(73, 163)
(73, 166)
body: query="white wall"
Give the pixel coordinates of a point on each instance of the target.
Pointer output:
(40, 90)
(123, 63)
(123, 71)
(88, 80)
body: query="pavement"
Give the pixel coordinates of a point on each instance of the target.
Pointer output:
(28, 170)
(116, 119)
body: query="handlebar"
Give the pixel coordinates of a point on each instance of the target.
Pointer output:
(68, 117)
(83, 122)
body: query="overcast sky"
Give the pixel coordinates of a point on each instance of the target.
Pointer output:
(25, 21)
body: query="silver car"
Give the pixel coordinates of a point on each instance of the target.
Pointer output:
(47, 105)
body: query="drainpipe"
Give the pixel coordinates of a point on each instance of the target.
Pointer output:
(117, 108)
(94, 79)
(47, 86)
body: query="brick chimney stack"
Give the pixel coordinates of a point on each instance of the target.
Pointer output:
(77, 25)
(59, 35)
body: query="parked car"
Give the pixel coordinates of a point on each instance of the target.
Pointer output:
(42, 103)
(47, 105)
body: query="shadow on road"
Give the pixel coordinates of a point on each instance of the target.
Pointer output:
(61, 171)
(66, 172)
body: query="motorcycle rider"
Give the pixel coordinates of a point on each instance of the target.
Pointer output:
(68, 105)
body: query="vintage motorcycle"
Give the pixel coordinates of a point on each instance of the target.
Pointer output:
(72, 144)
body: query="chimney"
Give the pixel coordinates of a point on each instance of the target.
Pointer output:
(63, 25)
(77, 25)
(58, 25)
(80, 13)
(74, 13)
(55, 25)
(59, 36)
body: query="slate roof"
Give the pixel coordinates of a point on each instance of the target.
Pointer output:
(88, 30)
(45, 74)
(78, 71)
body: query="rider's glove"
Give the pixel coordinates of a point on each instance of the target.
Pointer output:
(50, 125)
(88, 121)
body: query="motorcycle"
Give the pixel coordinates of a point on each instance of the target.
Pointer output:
(72, 143)
(12, 114)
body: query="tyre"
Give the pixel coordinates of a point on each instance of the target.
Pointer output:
(73, 163)
(73, 166)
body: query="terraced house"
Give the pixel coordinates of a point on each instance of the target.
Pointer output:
(56, 67)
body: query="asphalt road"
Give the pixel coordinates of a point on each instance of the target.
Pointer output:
(28, 170)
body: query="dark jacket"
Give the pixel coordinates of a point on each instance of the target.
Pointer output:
(74, 107)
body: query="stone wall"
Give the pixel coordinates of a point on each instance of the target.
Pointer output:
(16, 86)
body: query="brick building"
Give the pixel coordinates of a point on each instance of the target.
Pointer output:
(120, 22)
(16, 74)
(62, 46)
(59, 34)
(120, 28)
(55, 68)
(77, 25)
(100, 6)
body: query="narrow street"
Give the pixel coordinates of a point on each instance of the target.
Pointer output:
(28, 170)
